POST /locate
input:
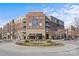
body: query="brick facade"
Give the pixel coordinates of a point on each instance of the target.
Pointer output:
(34, 25)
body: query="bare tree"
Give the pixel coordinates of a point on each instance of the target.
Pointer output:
(76, 22)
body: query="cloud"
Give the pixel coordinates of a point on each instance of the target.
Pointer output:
(66, 13)
(3, 21)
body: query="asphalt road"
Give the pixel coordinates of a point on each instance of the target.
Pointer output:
(74, 52)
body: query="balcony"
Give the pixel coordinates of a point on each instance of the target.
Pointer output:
(23, 24)
(47, 25)
(47, 30)
(47, 21)
(23, 31)
(24, 19)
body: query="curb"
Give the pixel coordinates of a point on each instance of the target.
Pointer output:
(14, 48)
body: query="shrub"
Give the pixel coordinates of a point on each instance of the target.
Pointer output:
(31, 40)
(39, 43)
(27, 41)
(18, 43)
(49, 41)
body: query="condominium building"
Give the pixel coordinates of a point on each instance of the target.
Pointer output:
(72, 32)
(40, 26)
(34, 25)
(21, 27)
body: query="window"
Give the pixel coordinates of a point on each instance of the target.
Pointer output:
(58, 25)
(30, 24)
(24, 32)
(47, 29)
(34, 22)
(31, 21)
(24, 21)
(24, 27)
(40, 17)
(40, 24)
(40, 21)
(37, 17)
(61, 23)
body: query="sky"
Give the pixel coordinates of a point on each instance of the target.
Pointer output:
(63, 11)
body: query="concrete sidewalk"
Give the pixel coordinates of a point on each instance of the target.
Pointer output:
(27, 49)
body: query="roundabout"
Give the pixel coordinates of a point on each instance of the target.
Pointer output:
(39, 43)
(10, 48)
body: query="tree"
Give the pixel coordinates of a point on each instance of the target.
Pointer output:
(76, 22)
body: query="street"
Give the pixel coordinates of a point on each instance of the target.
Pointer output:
(6, 52)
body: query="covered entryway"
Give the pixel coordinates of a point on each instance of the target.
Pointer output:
(38, 36)
(31, 36)
(24, 37)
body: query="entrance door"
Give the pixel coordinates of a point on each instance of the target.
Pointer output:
(8, 37)
(47, 36)
(39, 36)
(24, 37)
(32, 36)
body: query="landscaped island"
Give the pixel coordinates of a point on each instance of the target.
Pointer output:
(42, 43)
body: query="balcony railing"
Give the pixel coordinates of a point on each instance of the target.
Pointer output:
(23, 31)
(47, 24)
(24, 24)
